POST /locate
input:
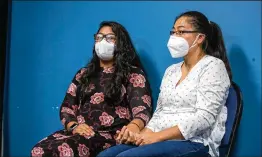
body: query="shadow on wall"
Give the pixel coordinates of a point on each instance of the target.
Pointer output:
(145, 52)
(152, 74)
(244, 77)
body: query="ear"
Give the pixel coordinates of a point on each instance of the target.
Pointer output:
(201, 38)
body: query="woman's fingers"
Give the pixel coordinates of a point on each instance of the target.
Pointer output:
(83, 129)
(125, 136)
(142, 143)
(120, 135)
(131, 138)
(88, 129)
(139, 141)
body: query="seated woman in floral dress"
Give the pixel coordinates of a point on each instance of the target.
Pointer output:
(111, 95)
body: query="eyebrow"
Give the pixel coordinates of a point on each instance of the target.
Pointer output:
(106, 34)
(178, 27)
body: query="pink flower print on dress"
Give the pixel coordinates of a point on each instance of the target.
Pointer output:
(59, 136)
(37, 152)
(65, 150)
(106, 119)
(83, 151)
(97, 98)
(79, 75)
(90, 87)
(106, 135)
(67, 110)
(122, 112)
(72, 89)
(137, 80)
(80, 119)
(75, 108)
(138, 109)
(143, 116)
(147, 100)
(109, 70)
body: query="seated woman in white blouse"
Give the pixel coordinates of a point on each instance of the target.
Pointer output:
(190, 116)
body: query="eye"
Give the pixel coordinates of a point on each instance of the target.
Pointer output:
(98, 37)
(179, 32)
(110, 37)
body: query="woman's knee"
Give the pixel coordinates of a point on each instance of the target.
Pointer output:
(107, 153)
(39, 150)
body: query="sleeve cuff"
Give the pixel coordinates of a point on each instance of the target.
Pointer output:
(184, 132)
(151, 128)
(144, 122)
(67, 121)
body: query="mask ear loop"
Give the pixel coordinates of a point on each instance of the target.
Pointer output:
(194, 43)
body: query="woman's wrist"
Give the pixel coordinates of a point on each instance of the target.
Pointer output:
(134, 127)
(70, 124)
(146, 130)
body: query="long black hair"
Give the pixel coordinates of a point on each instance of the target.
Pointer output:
(214, 42)
(125, 56)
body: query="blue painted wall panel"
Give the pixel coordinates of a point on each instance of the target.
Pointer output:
(50, 41)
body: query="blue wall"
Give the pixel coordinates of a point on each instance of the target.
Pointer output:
(50, 41)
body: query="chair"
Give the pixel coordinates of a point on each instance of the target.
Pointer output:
(234, 106)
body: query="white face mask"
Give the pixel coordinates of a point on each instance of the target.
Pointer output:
(178, 46)
(105, 50)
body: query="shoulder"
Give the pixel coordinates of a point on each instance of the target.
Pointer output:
(81, 71)
(213, 63)
(137, 74)
(212, 60)
(137, 70)
(172, 68)
(214, 70)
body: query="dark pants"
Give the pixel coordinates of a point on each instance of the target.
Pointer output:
(159, 149)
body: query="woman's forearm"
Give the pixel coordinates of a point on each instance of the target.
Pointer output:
(146, 130)
(170, 133)
(139, 123)
(70, 124)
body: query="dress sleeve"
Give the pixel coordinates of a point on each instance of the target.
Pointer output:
(212, 92)
(139, 95)
(70, 103)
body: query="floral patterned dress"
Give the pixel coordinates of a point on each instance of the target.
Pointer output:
(104, 118)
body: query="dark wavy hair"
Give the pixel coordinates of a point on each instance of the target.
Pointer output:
(214, 42)
(125, 56)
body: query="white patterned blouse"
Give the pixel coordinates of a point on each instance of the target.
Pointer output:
(197, 104)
